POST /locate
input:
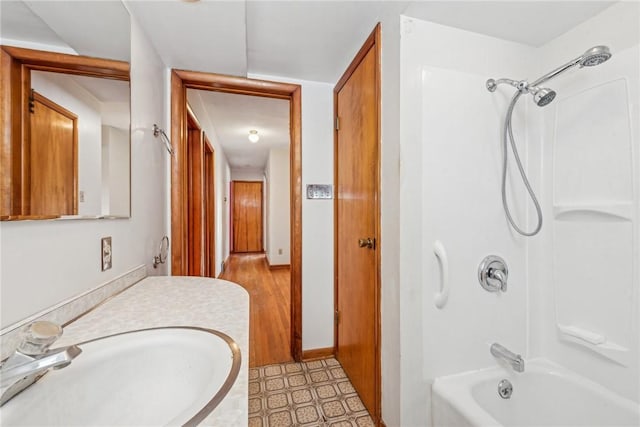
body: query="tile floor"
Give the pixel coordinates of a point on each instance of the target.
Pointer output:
(314, 393)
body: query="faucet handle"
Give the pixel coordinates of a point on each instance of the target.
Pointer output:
(38, 336)
(493, 274)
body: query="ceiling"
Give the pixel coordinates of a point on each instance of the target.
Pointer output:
(529, 22)
(104, 90)
(307, 40)
(315, 40)
(233, 116)
(112, 96)
(68, 26)
(199, 36)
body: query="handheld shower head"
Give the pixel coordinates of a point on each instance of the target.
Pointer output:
(595, 56)
(543, 96)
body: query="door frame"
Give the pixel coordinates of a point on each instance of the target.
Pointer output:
(181, 80)
(210, 204)
(372, 42)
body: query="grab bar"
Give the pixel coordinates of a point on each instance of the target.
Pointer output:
(440, 253)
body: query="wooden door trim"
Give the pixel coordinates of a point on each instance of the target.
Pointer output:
(180, 81)
(372, 42)
(211, 204)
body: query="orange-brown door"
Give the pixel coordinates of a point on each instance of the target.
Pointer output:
(247, 216)
(52, 166)
(356, 209)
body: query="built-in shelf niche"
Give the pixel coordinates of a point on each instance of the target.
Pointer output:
(593, 220)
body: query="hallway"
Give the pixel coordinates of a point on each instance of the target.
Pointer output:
(269, 290)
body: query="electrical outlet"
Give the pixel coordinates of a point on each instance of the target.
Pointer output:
(106, 252)
(279, 251)
(81, 196)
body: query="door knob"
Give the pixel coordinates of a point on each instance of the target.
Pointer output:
(366, 243)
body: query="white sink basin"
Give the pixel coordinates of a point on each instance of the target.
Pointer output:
(161, 376)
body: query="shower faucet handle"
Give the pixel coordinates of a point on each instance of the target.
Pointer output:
(493, 274)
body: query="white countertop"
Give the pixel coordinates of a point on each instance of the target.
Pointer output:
(178, 301)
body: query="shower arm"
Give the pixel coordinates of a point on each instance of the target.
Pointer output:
(522, 86)
(557, 71)
(508, 81)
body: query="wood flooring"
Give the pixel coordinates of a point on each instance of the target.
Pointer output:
(270, 307)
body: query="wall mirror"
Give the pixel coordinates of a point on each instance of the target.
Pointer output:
(65, 150)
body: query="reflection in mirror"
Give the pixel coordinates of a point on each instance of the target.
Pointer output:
(86, 170)
(79, 139)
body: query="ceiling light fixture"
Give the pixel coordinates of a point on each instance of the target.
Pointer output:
(253, 136)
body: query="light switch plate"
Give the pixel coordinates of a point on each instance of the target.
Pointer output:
(319, 191)
(106, 253)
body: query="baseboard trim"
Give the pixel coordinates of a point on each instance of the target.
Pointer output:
(316, 353)
(275, 266)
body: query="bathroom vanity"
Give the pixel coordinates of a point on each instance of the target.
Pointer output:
(162, 302)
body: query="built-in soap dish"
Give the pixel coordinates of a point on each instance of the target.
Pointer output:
(595, 342)
(604, 212)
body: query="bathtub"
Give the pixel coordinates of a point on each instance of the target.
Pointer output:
(546, 394)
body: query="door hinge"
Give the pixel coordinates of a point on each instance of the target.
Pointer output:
(337, 317)
(337, 123)
(32, 100)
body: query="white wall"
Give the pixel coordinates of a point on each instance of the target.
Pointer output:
(389, 246)
(450, 191)
(115, 172)
(45, 262)
(317, 215)
(222, 179)
(66, 93)
(584, 268)
(278, 190)
(241, 174)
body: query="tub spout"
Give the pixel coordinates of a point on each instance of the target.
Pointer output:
(515, 360)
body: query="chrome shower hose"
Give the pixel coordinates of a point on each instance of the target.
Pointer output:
(508, 136)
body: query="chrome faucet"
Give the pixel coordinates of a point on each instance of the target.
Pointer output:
(32, 359)
(515, 360)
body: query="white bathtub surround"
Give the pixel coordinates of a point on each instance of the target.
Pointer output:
(585, 161)
(450, 192)
(178, 301)
(546, 394)
(574, 289)
(71, 308)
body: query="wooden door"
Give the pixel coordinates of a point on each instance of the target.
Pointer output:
(247, 216)
(356, 213)
(52, 165)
